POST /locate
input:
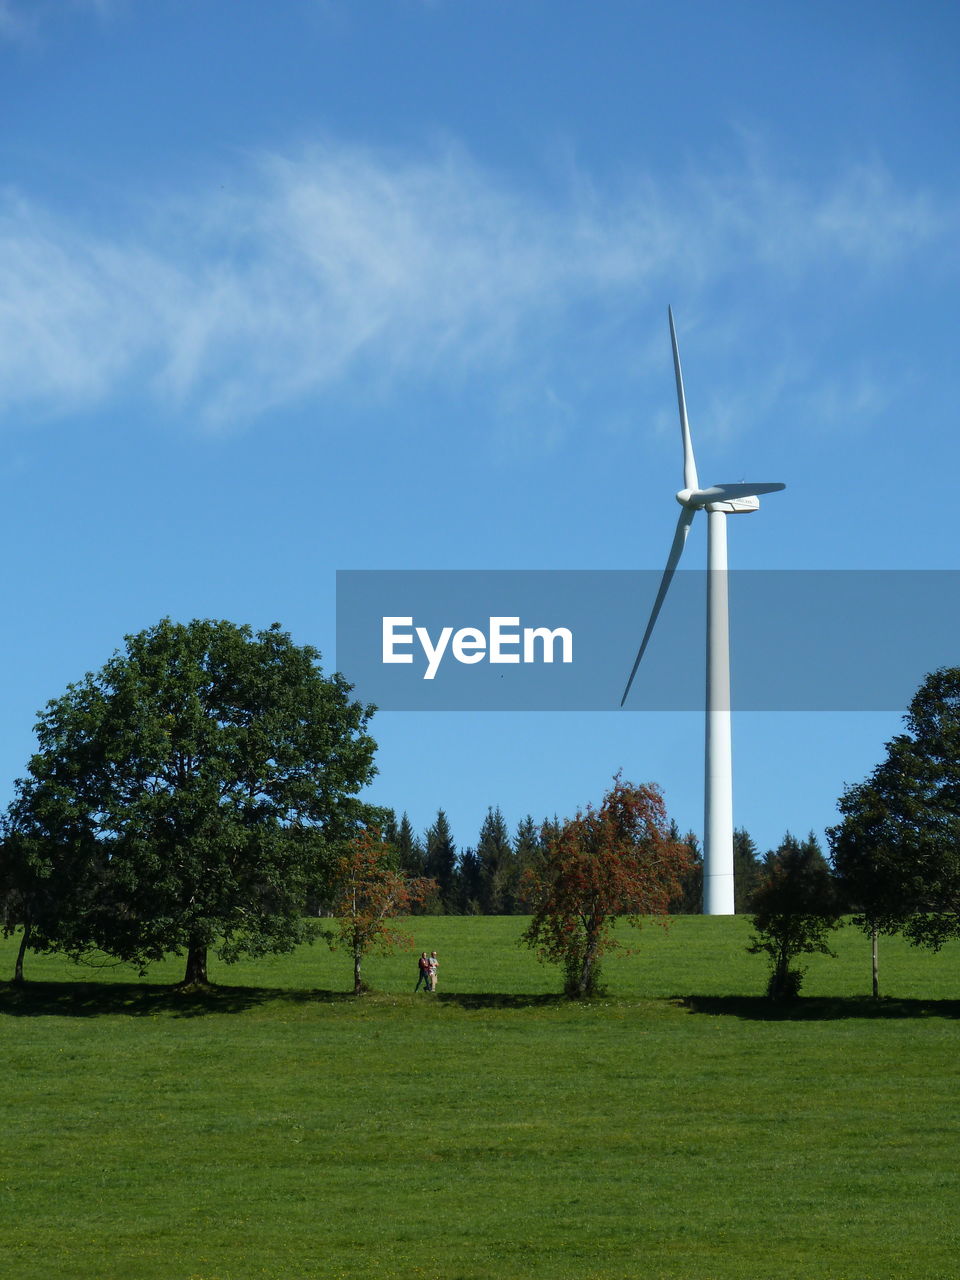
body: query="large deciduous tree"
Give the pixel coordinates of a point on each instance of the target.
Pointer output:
(619, 860)
(371, 890)
(897, 849)
(186, 796)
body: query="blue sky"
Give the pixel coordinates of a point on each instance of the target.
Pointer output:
(293, 288)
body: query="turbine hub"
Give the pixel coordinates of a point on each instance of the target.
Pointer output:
(686, 498)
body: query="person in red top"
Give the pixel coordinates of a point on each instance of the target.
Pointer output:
(423, 965)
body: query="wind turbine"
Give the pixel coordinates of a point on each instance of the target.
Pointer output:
(719, 501)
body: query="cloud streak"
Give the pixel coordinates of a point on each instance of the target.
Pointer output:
(335, 261)
(24, 23)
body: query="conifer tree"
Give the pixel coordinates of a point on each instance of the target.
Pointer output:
(746, 869)
(689, 901)
(498, 881)
(469, 883)
(528, 854)
(441, 863)
(411, 857)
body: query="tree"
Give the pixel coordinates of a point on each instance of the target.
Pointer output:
(45, 888)
(896, 851)
(441, 863)
(370, 890)
(410, 852)
(689, 900)
(796, 906)
(186, 795)
(618, 860)
(528, 855)
(498, 888)
(746, 870)
(469, 883)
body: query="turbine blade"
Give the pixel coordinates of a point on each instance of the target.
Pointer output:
(727, 492)
(690, 480)
(679, 538)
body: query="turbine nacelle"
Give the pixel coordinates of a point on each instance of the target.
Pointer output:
(736, 506)
(731, 498)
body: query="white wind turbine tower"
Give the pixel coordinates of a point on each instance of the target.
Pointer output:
(719, 501)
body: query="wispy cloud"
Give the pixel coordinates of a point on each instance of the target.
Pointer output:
(316, 265)
(16, 25)
(23, 22)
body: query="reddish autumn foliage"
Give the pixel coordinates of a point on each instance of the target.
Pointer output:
(370, 892)
(604, 864)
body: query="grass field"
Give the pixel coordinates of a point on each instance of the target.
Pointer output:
(677, 1127)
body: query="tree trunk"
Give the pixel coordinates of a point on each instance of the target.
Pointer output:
(357, 984)
(24, 943)
(196, 974)
(875, 964)
(585, 986)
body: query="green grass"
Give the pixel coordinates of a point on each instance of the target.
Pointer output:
(677, 1127)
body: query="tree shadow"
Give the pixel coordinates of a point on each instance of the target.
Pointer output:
(817, 1008)
(499, 1000)
(144, 1000)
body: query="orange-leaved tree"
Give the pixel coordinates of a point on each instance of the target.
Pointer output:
(370, 892)
(604, 864)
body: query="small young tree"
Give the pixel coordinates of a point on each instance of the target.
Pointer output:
(615, 861)
(370, 892)
(796, 907)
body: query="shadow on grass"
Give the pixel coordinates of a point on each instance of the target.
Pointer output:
(140, 999)
(817, 1009)
(144, 1000)
(498, 1000)
(137, 999)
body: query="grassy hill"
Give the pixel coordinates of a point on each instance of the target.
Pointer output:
(678, 1127)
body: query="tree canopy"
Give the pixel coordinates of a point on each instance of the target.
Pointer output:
(897, 849)
(186, 796)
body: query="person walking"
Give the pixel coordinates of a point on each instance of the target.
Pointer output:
(433, 965)
(423, 972)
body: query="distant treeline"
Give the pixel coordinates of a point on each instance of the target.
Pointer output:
(489, 878)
